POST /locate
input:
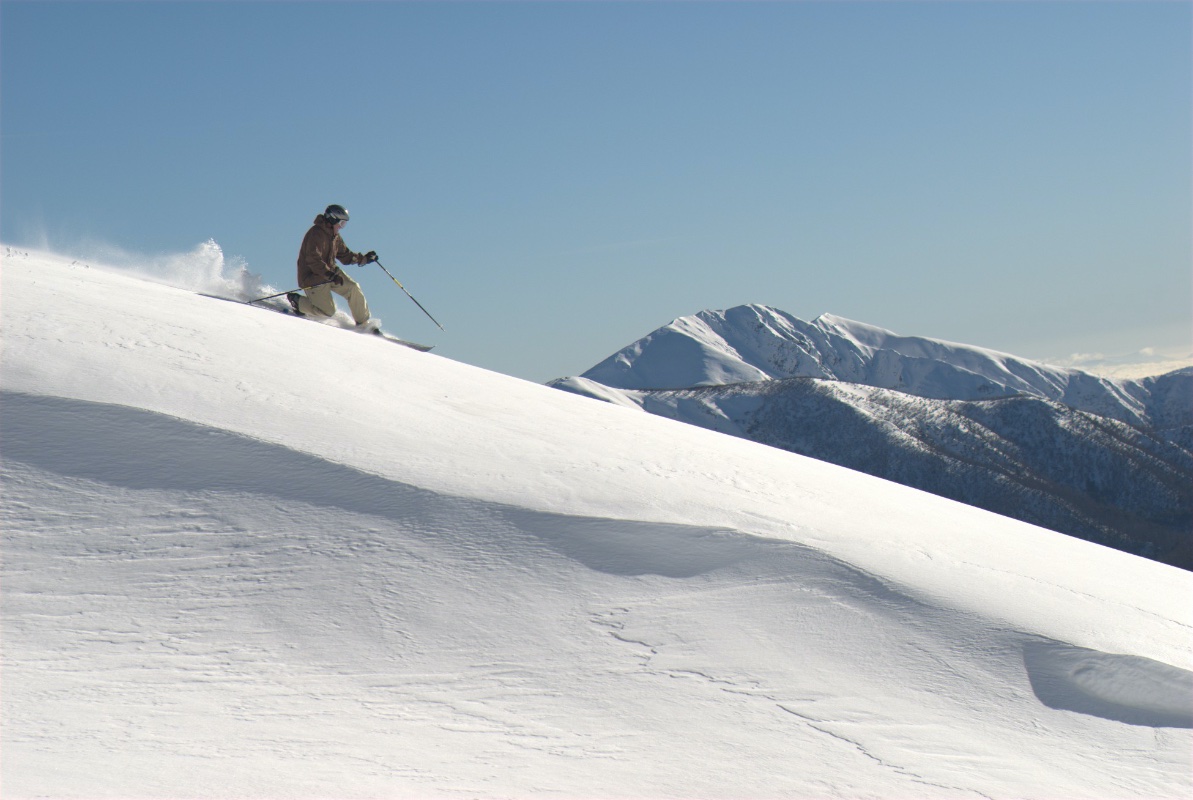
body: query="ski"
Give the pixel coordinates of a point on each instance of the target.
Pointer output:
(422, 348)
(282, 306)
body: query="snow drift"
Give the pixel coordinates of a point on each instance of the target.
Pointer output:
(247, 555)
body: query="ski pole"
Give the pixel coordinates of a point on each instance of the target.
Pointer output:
(279, 294)
(403, 288)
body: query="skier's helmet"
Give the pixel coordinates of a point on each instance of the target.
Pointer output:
(336, 213)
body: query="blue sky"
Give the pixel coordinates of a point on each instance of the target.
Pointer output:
(555, 180)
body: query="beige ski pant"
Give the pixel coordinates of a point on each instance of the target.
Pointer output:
(318, 301)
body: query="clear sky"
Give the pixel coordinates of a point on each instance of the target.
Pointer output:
(554, 180)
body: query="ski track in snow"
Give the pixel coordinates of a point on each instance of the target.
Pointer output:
(189, 611)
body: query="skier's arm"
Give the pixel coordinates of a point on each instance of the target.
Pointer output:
(346, 256)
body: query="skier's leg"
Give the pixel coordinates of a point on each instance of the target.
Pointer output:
(350, 291)
(318, 302)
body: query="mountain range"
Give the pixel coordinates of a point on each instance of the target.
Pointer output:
(1106, 460)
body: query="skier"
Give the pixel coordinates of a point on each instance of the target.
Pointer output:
(321, 248)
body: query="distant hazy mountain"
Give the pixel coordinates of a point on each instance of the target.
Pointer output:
(1109, 461)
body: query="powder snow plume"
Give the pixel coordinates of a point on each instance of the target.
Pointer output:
(204, 269)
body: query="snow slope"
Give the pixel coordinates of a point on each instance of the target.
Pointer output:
(1036, 460)
(248, 555)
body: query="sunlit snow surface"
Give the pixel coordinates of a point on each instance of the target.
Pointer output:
(248, 555)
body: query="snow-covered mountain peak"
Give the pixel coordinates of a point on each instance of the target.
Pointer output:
(757, 343)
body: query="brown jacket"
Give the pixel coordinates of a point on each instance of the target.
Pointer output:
(320, 250)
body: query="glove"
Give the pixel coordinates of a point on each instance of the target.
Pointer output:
(337, 278)
(369, 257)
